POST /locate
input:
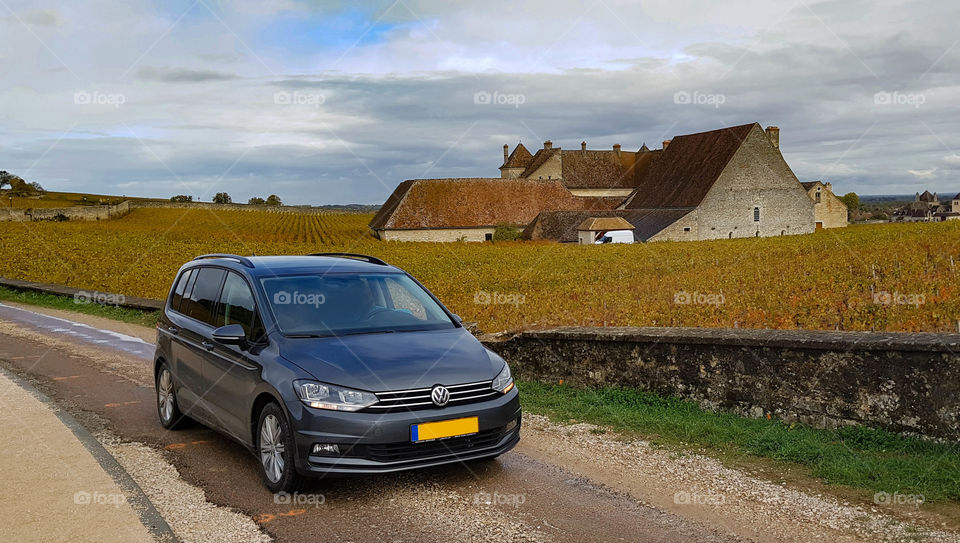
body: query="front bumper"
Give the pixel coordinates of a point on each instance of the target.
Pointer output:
(381, 442)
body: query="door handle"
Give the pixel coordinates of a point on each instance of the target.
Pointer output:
(173, 330)
(207, 345)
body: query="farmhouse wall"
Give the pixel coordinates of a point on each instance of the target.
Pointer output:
(756, 176)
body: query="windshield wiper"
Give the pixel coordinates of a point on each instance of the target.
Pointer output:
(361, 332)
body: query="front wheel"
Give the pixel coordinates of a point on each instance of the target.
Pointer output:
(275, 448)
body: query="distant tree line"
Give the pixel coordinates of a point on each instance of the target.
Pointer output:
(224, 198)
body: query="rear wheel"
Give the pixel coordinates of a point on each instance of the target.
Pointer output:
(275, 449)
(170, 416)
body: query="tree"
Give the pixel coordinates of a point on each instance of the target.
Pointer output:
(36, 187)
(6, 178)
(222, 198)
(256, 201)
(506, 232)
(274, 200)
(181, 198)
(851, 200)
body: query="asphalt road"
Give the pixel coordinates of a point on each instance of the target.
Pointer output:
(513, 497)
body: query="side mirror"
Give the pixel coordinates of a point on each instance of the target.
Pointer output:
(231, 334)
(457, 318)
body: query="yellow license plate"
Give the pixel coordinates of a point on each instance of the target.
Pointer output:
(429, 431)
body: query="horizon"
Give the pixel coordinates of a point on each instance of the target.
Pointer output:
(334, 104)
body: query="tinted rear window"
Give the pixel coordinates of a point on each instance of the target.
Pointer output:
(203, 299)
(178, 292)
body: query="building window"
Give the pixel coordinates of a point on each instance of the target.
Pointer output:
(818, 196)
(756, 214)
(488, 237)
(686, 228)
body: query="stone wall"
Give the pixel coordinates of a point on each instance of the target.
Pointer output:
(437, 234)
(901, 382)
(76, 213)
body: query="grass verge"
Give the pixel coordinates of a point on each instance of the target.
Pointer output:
(856, 456)
(132, 316)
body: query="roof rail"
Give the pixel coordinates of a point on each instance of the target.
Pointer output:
(354, 256)
(241, 259)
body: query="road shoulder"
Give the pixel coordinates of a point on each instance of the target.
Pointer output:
(63, 478)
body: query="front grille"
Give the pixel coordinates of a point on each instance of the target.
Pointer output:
(393, 452)
(410, 400)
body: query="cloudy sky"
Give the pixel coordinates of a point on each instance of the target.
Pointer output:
(337, 102)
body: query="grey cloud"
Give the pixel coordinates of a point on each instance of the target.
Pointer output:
(181, 75)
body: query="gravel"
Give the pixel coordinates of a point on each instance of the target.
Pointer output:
(717, 492)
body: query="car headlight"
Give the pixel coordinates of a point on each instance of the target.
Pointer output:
(504, 381)
(324, 396)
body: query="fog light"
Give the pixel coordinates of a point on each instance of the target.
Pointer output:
(326, 449)
(510, 425)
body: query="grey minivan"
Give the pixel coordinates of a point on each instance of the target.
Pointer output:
(328, 363)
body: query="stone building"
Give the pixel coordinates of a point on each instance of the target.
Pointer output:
(828, 210)
(726, 183)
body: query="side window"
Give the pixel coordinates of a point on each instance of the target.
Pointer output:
(404, 301)
(203, 299)
(237, 306)
(179, 290)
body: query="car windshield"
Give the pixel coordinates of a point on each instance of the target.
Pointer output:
(325, 304)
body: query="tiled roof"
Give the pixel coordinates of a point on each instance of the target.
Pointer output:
(519, 158)
(477, 202)
(688, 168)
(807, 185)
(605, 223)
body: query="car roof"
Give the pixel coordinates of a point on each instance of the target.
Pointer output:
(292, 264)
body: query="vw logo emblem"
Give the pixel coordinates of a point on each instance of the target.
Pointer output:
(440, 395)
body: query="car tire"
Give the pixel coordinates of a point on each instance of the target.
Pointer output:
(167, 407)
(276, 450)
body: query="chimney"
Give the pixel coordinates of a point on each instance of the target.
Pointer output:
(773, 134)
(505, 149)
(616, 148)
(548, 144)
(583, 146)
(665, 143)
(829, 187)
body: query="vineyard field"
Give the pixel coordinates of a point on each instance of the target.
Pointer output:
(891, 277)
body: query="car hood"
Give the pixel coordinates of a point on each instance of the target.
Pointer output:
(394, 361)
